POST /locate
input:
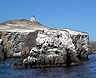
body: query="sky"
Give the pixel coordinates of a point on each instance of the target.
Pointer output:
(77, 15)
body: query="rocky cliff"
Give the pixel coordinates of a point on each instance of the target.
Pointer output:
(41, 46)
(13, 36)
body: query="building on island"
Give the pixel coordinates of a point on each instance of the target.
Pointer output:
(32, 18)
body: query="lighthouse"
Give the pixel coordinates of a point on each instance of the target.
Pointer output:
(33, 18)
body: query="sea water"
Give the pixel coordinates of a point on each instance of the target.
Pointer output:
(85, 70)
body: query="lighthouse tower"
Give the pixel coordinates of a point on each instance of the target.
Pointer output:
(33, 18)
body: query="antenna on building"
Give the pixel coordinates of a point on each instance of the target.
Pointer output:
(32, 18)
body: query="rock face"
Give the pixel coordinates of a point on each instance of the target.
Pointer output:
(41, 46)
(13, 36)
(2, 53)
(56, 47)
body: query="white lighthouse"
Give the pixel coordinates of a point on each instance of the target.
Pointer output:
(33, 18)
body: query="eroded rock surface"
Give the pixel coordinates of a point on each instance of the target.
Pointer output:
(14, 35)
(2, 53)
(57, 47)
(41, 46)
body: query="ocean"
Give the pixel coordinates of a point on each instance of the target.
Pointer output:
(84, 70)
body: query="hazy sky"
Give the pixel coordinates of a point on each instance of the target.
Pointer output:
(72, 14)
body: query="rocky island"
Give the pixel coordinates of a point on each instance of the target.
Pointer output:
(41, 46)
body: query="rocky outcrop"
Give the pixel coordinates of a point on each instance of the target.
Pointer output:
(41, 46)
(12, 42)
(14, 35)
(92, 47)
(56, 47)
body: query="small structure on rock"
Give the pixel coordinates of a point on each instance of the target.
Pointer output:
(32, 18)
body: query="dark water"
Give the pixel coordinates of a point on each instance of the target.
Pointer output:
(85, 70)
